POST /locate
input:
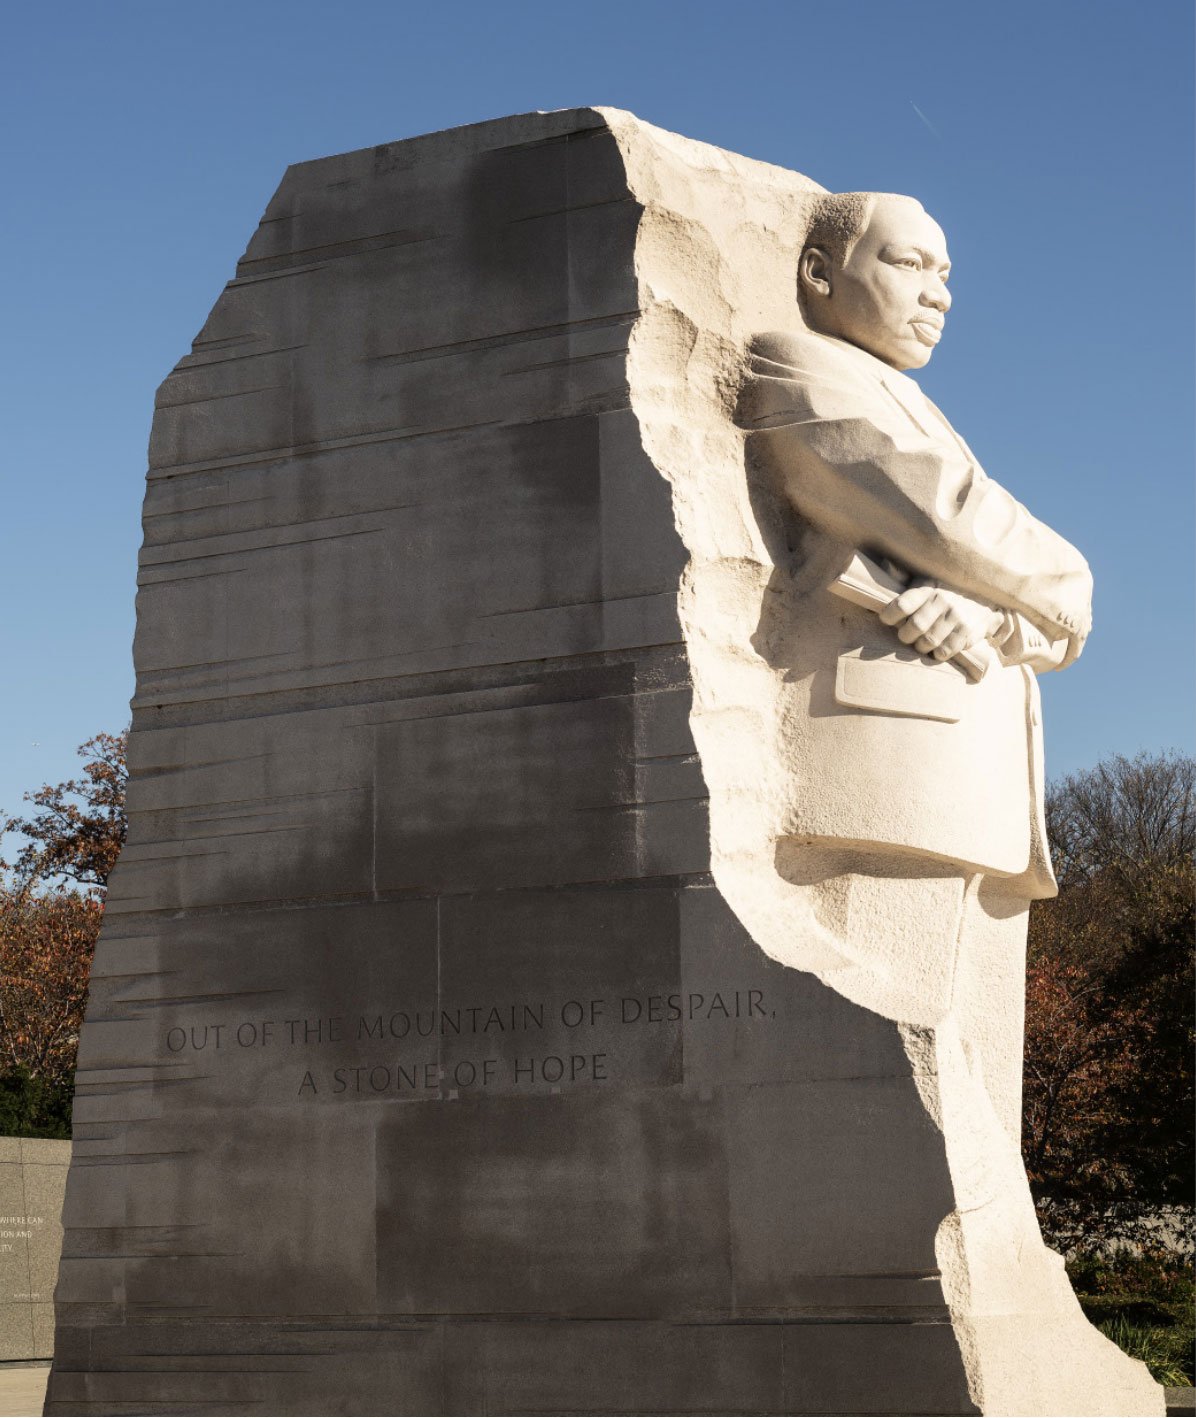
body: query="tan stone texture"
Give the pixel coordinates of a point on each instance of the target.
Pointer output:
(32, 1180)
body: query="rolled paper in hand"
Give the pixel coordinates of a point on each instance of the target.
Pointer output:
(866, 583)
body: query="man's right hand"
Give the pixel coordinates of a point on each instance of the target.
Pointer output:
(939, 622)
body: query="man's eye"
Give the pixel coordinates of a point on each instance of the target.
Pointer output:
(910, 262)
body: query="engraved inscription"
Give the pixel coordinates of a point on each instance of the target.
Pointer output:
(416, 1036)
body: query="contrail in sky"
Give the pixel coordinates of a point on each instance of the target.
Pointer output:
(925, 120)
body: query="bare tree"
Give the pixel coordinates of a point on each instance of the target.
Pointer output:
(1126, 815)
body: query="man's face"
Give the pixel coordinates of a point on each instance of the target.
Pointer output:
(890, 297)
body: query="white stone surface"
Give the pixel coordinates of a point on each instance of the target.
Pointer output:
(876, 812)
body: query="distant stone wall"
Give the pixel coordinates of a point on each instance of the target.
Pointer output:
(32, 1182)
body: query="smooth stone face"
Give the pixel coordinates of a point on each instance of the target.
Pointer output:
(440, 1054)
(886, 291)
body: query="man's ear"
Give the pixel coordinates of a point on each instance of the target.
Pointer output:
(814, 271)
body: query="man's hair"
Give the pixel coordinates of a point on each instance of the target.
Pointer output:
(838, 221)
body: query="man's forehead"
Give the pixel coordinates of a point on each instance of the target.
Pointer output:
(903, 220)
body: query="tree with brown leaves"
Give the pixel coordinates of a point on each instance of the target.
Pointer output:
(78, 827)
(51, 905)
(47, 943)
(1108, 1120)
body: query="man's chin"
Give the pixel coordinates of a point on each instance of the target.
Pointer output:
(901, 354)
(915, 357)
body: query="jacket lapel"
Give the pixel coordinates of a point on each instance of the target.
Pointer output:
(899, 391)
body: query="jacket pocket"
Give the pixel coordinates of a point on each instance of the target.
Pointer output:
(910, 688)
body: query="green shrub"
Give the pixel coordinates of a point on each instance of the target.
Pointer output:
(1166, 1352)
(1143, 1302)
(32, 1106)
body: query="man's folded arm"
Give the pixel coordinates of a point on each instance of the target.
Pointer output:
(848, 476)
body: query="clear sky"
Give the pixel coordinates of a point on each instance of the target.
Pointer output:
(1052, 140)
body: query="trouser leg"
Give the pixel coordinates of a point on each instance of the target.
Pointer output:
(946, 941)
(990, 993)
(900, 914)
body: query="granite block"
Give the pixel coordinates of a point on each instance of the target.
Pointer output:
(432, 1062)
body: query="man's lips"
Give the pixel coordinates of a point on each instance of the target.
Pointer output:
(927, 329)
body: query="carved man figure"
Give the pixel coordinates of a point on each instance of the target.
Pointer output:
(915, 736)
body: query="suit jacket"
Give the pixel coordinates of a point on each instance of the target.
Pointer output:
(892, 750)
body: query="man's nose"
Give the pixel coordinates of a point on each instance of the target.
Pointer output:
(937, 296)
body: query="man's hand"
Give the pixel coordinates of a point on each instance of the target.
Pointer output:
(939, 622)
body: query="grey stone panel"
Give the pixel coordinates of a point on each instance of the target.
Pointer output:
(830, 1141)
(561, 962)
(319, 598)
(704, 1368)
(247, 1367)
(527, 797)
(424, 1070)
(578, 1205)
(344, 313)
(286, 811)
(295, 985)
(650, 1192)
(638, 1368)
(529, 1367)
(872, 1369)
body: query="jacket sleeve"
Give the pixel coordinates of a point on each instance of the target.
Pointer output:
(1024, 644)
(867, 475)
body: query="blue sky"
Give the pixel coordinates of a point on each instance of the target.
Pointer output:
(1052, 141)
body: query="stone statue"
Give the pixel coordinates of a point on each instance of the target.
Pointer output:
(568, 951)
(921, 747)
